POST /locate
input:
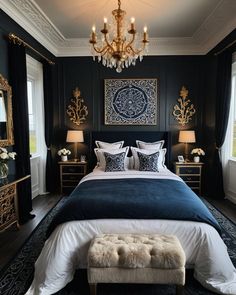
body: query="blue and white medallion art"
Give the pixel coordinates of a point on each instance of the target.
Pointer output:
(130, 101)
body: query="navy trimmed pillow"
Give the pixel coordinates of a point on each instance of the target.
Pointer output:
(114, 162)
(148, 162)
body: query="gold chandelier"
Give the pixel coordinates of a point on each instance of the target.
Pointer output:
(117, 49)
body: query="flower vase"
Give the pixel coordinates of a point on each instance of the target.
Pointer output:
(3, 170)
(64, 158)
(196, 159)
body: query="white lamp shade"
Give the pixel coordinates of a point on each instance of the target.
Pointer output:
(75, 136)
(187, 136)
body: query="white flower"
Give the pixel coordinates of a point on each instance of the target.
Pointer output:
(63, 152)
(12, 155)
(198, 152)
(3, 150)
(4, 156)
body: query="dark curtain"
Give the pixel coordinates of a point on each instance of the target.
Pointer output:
(18, 81)
(223, 95)
(48, 110)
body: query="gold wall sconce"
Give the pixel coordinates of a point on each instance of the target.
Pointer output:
(183, 111)
(77, 111)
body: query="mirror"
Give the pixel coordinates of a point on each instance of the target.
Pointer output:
(6, 123)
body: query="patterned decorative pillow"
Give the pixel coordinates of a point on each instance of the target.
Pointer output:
(114, 162)
(148, 162)
(101, 162)
(161, 158)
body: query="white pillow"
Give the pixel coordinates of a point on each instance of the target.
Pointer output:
(101, 162)
(161, 158)
(157, 145)
(108, 145)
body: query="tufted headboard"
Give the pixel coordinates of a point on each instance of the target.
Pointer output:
(130, 140)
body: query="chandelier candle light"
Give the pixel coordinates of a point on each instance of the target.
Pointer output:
(118, 51)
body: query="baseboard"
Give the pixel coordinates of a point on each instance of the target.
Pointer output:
(231, 197)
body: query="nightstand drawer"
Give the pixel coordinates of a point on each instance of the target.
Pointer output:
(193, 184)
(71, 183)
(189, 170)
(71, 177)
(190, 177)
(73, 169)
(71, 173)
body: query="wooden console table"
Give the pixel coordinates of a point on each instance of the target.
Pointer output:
(9, 201)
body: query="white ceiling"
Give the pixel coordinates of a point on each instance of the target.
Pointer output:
(174, 26)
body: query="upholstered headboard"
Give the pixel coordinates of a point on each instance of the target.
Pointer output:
(130, 140)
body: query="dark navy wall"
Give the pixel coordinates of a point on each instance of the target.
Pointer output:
(172, 73)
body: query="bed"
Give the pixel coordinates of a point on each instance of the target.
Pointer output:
(132, 201)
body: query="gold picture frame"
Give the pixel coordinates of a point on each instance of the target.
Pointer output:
(6, 120)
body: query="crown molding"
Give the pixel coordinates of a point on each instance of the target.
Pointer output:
(29, 16)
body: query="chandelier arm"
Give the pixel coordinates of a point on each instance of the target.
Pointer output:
(130, 42)
(108, 44)
(100, 51)
(135, 51)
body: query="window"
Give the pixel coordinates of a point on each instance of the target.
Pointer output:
(38, 149)
(32, 119)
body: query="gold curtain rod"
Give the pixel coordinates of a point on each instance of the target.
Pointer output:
(17, 40)
(226, 47)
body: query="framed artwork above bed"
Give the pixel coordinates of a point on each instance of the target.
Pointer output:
(130, 101)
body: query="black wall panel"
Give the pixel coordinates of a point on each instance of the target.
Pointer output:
(172, 72)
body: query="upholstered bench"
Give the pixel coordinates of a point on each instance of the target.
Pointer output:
(136, 258)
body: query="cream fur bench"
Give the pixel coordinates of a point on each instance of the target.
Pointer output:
(136, 258)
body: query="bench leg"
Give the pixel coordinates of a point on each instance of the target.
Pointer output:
(93, 289)
(179, 290)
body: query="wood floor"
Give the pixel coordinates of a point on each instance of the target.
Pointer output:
(12, 239)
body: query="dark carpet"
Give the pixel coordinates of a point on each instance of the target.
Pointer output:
(16, 277)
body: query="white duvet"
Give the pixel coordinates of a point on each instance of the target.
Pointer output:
(66, 248)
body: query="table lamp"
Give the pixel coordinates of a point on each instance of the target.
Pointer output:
(187, 136)
(75, 136)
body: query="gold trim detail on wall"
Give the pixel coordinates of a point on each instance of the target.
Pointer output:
(183, 111)
(77, 111)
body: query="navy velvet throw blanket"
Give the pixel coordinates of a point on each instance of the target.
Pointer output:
(133, 199)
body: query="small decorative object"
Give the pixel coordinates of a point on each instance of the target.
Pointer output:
(181, 159)
(75, 136)
(82, 158)
(197, 152)
(5, 156)
(77, 111)
(187, 136)
(184, 111)
(64, 154)
(130, 101)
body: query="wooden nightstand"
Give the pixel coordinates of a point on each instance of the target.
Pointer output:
(70, 174)
(191, 173)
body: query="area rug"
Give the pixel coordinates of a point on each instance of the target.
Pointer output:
(16, 277)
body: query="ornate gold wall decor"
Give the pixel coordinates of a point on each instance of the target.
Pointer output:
(77, 111)
(184, 111)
